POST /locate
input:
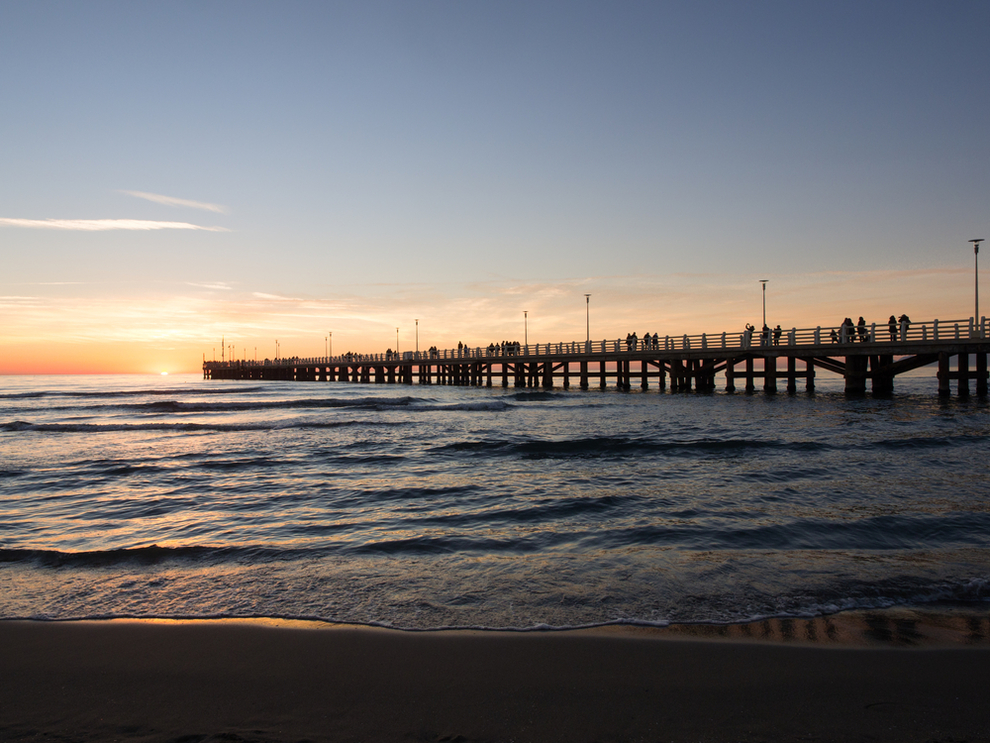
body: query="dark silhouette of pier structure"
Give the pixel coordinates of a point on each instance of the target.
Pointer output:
(686, 362)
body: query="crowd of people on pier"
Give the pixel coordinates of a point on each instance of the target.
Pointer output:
(850, 332)
(504, 348)
(648, 343)
(767, 335)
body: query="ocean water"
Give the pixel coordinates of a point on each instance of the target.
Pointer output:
(431, 507)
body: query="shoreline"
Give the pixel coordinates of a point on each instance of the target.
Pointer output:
(901, 627)
(272, 681)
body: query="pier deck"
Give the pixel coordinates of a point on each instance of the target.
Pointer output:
(683, 362)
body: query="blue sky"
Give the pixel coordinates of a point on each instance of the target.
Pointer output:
(361, 165)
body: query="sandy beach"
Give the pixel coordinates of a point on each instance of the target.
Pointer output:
(854, 678)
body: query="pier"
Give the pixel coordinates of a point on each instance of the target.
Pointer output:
(747, 361)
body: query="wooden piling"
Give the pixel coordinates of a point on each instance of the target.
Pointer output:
(944, 390)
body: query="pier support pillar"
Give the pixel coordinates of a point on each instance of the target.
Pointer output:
(962, 363)
(730, 375)
(791, 375)
(981, 374)
(883, 384)
(856, 375)
(770, 375)
(943, 375)
(584, 375)
(750, 386)
(809, 383)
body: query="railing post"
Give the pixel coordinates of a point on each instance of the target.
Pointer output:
(792, 339)
(873, 332)
(723, 340)
(935, 330)
(924, 332)
(704, 341)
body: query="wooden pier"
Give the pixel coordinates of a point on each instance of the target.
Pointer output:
(791, 358)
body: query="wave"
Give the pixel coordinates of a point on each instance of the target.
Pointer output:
(21, 426)
(481, 405)
(929, 442)
(970, 592)
(150, 555)
(177, 406)
(611, 446)
(38, 394)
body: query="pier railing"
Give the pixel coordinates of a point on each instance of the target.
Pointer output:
(835, 336)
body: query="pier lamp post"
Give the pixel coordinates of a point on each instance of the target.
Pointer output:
(525, 327)
(417, 336)
(764, 282)
(976, 257)
(326, 346)
(587, 317)
(396, 341)
(330, 341)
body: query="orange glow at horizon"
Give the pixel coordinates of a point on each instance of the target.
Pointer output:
(97, 358)
(101, 336)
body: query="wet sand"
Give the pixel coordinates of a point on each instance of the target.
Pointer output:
(895, 676)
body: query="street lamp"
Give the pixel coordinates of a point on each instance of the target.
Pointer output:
(525, 327)
(417, 337)
(587, 317)
(396, 341)
(764, 282)
(330, 340)
(976, 257)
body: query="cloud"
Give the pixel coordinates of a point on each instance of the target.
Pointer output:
(215, 285)
(276, 297)
(172, 201)
(101, 225)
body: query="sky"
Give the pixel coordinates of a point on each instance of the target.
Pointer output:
(188, 176)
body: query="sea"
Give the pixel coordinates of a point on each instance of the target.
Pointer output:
(432, 507)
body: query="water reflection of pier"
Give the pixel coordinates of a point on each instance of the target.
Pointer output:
(686, 362)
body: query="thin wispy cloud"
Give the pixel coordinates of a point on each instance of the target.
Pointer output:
(215, 285)
(103, 225)
(173, 201)
(276, 297)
